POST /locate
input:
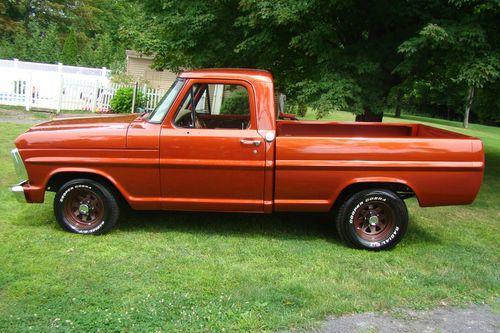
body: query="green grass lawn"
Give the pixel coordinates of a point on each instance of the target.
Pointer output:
(233, 272)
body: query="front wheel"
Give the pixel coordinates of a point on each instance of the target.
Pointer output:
(372, 219)
(85, 206)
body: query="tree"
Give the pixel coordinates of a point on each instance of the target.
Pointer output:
(33, 44)
(429, 56)
(454, 55)
(326, 54)
(347, 55)
(70, 49)
(49, 49)
(9, 15)
(32, 30)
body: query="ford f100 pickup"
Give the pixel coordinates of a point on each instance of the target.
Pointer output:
(214, 143)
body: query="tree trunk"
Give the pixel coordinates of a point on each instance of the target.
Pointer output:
(468, 105)
(369, 116)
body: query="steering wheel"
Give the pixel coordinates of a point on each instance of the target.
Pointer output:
(185, 121)
(199, 123)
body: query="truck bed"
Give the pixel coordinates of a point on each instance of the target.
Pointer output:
(315, 161)
(359, 129)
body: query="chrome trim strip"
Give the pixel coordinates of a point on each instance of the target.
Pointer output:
(19, 165)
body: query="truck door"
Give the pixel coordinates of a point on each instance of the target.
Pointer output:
(211, 155)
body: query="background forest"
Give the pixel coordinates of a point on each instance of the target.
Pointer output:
(431, 57)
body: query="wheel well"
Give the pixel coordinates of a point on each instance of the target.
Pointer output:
(59, 179)
(403, 191)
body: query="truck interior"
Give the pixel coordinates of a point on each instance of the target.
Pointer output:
(214, 106)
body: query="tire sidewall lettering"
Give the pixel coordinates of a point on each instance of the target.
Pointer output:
(375, 198)
(89, 231)
(71, 188)
(387, 240)
(353, 211)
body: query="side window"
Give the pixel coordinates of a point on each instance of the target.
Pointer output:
(224, 106)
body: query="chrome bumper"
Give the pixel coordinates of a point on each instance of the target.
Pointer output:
(18, 191)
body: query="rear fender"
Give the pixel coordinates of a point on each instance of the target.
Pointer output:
(368, 182)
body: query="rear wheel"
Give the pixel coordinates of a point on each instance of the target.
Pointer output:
(372, 219)
(85, 206)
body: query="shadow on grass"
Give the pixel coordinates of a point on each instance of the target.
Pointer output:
(279, 225)
(416, 234)
(286, 226)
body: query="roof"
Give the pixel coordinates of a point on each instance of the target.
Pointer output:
(135, 54)
(228, 73)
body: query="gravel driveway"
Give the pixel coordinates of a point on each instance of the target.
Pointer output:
(477, 318)
(22, 117)
(35, 117)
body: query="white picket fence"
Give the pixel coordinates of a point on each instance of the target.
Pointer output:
(60, 87)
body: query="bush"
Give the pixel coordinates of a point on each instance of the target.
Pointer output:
(236, 103)
(122, 100)
(298, 109)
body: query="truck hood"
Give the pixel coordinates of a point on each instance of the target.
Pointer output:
(97, 132)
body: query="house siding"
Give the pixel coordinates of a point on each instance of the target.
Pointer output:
(139, 68)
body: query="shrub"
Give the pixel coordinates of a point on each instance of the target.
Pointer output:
(122, 100)
(236, 103)
(298, 109)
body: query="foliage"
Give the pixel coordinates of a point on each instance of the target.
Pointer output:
(101, 52)
(431, 56)
(122, 100)
(452, 56)
(323, 55)
(120, 76)
(70, 49)
(96, 37)
(35, 43)
(487, 104)
(7, 16)
(297, 109)
(358, 56)
(207, 272)
(236, 103)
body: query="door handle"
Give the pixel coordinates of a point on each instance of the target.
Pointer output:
(250, 142)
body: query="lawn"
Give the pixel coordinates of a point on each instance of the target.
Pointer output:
(234, 272)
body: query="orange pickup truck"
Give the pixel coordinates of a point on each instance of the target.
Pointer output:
(213, 143)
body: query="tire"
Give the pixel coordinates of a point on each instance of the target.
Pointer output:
(84, 206)
(375, 219)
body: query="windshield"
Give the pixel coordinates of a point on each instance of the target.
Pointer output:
(166, 102)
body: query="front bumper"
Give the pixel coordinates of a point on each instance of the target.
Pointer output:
(18, 192)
